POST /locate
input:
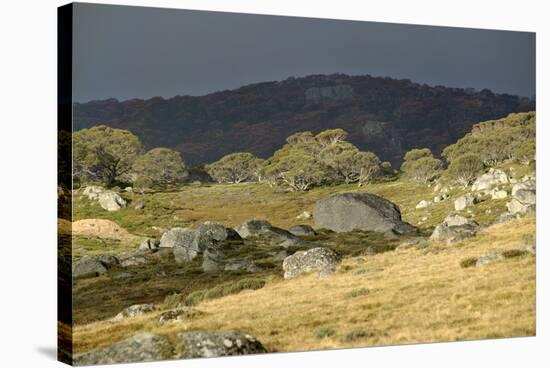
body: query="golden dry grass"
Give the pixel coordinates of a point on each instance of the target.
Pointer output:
(415, 295)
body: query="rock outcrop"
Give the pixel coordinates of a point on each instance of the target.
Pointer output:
(322, 260)
(202, 344)
(92, 266)
(524, 198)
(490, 180)
(134, 311)
(344, 212)
(138, 348)
(465, 201)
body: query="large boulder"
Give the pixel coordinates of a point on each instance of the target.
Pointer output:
(264, 230)
(489, 180)
(344, 212)
(524, 198)
(111, 201)
(526, 185)
(455, 228)
(202, 344)
(138, 348)
(322, 260)
(134, 311)
(187, 243)
(92, 266)
(252, 228)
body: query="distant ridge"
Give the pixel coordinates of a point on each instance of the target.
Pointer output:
(383, 115)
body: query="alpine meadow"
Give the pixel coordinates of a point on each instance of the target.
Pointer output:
(317, 211)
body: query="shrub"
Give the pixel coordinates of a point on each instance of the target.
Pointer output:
(420, 165)
(173, 301)
(465, 169)
(324, 332)
(358, 292)
(468, 262)
(235, 168)
(356, 335)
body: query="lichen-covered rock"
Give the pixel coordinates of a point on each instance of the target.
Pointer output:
(93, 192)
(489, 180)
(252, 228)
(498, 194)
(322, 260)
(138, 348)
(462, 202)
(202, 344)
(451, 234)
(134, 311)
(92, 266)
(111, 201)
(264, 230)
(526, 185)
(302, 230)
(458, 220)
(344, 212)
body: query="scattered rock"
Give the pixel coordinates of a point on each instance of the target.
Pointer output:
(264, 230)
(92, 266)
(111, 201)
(344, 212)
(451, 234)
(242, 265)
(212, 260)
(138, 348)
(132, 259)
(306, 215)
(422, 204)
(252, 228)
(440, 198)
(178, 314)
(322, 260)
(498, 194)
(526, 185)
(505, 217)
(202, 344)
(458, 220)
(139, 205)
(134, 311)
(464, 201)
(489, 180)
(302, 230)
(93, 192)
(150, 244)
(488, 258)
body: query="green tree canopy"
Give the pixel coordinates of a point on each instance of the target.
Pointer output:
(420, 165)
(162, 165)
(104, 153)
(235, 168)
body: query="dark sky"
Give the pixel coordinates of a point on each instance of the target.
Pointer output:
(136, 52)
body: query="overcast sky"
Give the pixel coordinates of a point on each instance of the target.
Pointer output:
(137, 52)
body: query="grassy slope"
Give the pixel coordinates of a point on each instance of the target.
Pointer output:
(415, 296)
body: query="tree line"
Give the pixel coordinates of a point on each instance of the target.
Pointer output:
(305, 161)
